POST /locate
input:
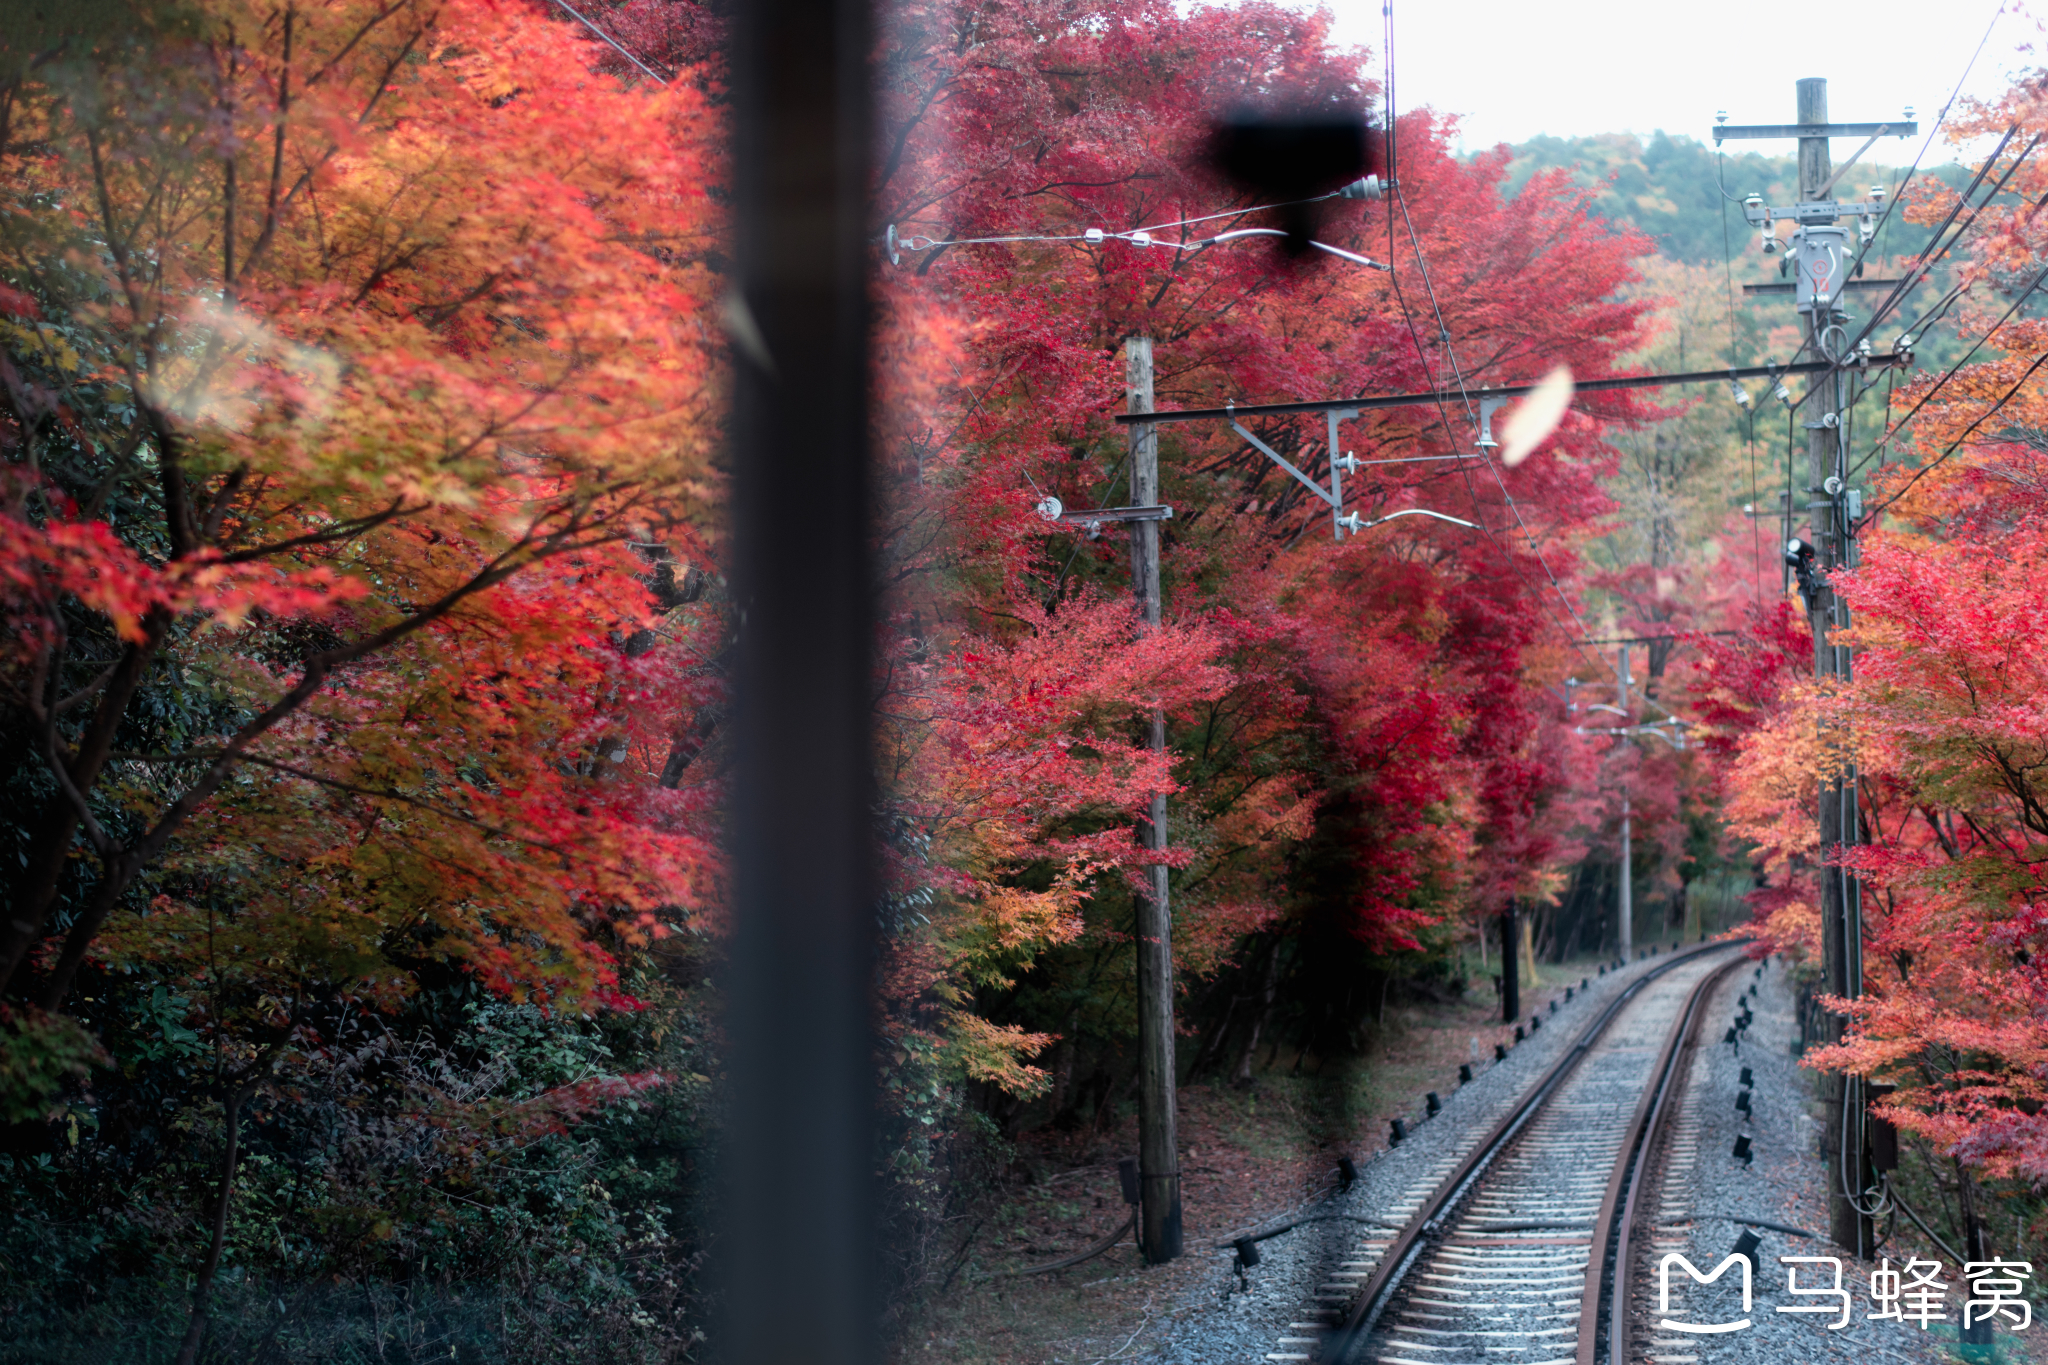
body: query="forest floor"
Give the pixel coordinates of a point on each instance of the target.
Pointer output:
(1247, 1155)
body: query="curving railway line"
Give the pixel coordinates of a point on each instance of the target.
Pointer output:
(1521, 1251)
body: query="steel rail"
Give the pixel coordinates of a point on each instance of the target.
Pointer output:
(1625, 1185)
(1432, 1218)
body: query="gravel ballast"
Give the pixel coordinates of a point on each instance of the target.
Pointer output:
(1785, 1183)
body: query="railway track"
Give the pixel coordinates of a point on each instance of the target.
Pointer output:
(1522, 1250)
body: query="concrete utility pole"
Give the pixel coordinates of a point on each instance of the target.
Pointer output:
(1158, 1147)
(1838, 897)
(1819, 256)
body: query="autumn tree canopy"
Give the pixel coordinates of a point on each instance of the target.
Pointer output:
(362, 561)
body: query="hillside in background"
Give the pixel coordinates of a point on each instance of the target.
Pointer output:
(1667, 187)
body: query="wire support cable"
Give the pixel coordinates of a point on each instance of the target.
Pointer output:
(1575, 637)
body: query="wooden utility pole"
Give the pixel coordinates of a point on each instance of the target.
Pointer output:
(1158, 1146)
(1838, 900)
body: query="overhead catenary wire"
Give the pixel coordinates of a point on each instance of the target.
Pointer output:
(1396, 193)
(618, 46)
(1450, 355)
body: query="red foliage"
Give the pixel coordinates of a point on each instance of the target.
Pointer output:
(1390, 685)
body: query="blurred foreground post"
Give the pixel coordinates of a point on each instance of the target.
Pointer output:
(798, 1151)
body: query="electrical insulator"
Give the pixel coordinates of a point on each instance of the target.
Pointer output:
(1741, 395)
(1877, 194)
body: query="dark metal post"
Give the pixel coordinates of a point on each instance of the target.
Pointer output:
(798, 1150)
(1510, 971)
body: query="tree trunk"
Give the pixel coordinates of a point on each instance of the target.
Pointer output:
(1063, 1069)
(1242, 1078)
(202, 1288)
(40, 879)
(1977, 1333)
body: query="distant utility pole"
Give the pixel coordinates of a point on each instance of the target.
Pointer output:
(1626, 910)
(1819, 255)
(1158, 1148)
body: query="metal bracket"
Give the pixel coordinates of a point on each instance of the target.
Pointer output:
(1897, 128)
(1487, 408)
(1094, 518)
(1277, 458)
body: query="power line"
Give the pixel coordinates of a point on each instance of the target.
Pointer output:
(1956, 444)
(1897, 426)
(1929, 256)
(1933, 132)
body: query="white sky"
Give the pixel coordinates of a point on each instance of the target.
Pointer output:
(1517, 68)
